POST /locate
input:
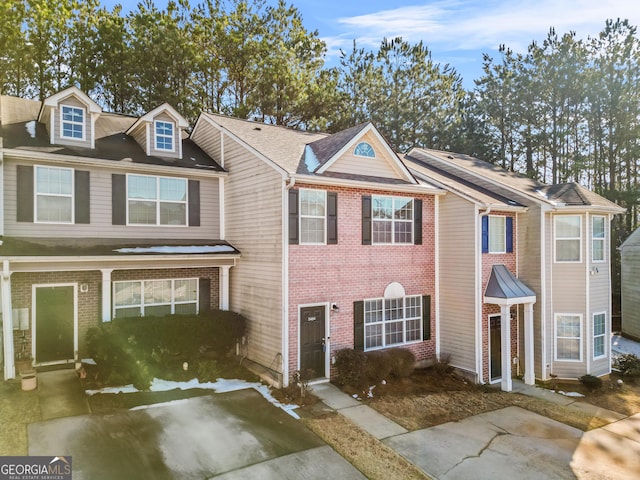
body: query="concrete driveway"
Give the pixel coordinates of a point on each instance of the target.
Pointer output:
(235, 435)
(516, 443)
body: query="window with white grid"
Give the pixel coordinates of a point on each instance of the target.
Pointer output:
(392, 321)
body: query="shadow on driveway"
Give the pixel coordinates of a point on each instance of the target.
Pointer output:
(238, 434)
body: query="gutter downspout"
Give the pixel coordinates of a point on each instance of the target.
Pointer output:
(289, 182)
(7, 323)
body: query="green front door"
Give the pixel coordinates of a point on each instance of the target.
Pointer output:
(54, 323)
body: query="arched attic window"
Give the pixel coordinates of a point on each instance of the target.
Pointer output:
(363, 149)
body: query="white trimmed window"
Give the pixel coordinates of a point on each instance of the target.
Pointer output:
(364, 149)
(392, 220)
(155, 297)
(568, 337)
(598, 235)
(497, 234)
(156, 200)
(54, 195)
(392, 321)
(72, 122)
(313, 216)
(164, 135)
(599, 335)
(568, 238)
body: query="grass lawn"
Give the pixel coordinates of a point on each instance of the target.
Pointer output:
(17, 410)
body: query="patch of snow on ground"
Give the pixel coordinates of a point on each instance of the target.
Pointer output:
(222, 385)
(621, 345)
(569, 394)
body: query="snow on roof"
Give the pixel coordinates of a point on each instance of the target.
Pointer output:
(178, 249)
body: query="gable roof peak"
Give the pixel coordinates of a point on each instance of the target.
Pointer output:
(56, 98)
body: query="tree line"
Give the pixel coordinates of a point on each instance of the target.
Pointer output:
(566, 110)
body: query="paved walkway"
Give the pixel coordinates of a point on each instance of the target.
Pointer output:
(507, 443)
(61, 394)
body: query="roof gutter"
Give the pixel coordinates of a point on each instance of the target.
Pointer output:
(393, 187)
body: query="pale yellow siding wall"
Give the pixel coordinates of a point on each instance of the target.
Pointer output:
(256, 282)
(457, 220)
(631, 290)
(358, 165)
(101, 217)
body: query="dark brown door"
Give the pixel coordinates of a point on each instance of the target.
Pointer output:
(312, 341)
(54, 324)
(495, 343)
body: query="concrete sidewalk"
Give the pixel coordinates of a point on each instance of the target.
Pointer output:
(61, 394)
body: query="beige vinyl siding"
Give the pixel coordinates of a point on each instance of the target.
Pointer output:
(164, 117)
(599, 301)
(139, 134)
(71, 102)
(569, 296)
(101, 217)
(210, 141)
(256, 283)
(457, 219)
(381, 166)
(631, 290)
(529, 248)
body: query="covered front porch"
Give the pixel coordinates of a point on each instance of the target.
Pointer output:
(505, 290)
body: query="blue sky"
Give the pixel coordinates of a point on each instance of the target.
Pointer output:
(457, 32)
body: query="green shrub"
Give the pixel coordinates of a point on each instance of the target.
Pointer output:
(591, 382)
(628, 365)
(135, 350)
(402, 361)
(350, 365)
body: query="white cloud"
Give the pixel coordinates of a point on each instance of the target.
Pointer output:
(481, 25)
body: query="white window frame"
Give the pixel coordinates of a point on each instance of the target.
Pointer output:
(503, 236)
(142, 305)
(384, 322)
(393, 221)
(303, 216)
(159, 202)
(37, 194)
(164, 136)
(557, 239)
(602, 239)
(557, 317)
(64, 122)
(602, 336)
(355, 150)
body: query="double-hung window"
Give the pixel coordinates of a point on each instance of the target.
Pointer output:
(72, 122)
(599, 335)
(54, 194)
(155, 297)
(164, 135)
(497, 234)
(313, 216)
(156, 200)
(598, 233)
(568, 337)
(392, 220)
(392, 321)
(568, 238)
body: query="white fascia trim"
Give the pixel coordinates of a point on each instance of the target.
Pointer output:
(589, 209)
(147, 138)
(507, 302)
(285, 285)
(248, 147)
(393, 187)
(221, 206)
(2, 188)
(477, 294)
(131, 261)
(112, 164)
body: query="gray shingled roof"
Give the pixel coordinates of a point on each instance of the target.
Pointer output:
(111, 142)
(503, 284)
(469, 169)
(325, 148)
(81, 247)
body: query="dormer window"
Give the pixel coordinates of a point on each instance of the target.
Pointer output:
(164, 136)
(363, 149)
(72, 122)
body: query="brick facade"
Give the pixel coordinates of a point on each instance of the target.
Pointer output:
(349, 272)
(89, 303)
(488, 261)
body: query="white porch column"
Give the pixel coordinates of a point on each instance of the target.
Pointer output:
(7, 322)
(529, 374)
(505, 338)
(106, 294)
(224, 288)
